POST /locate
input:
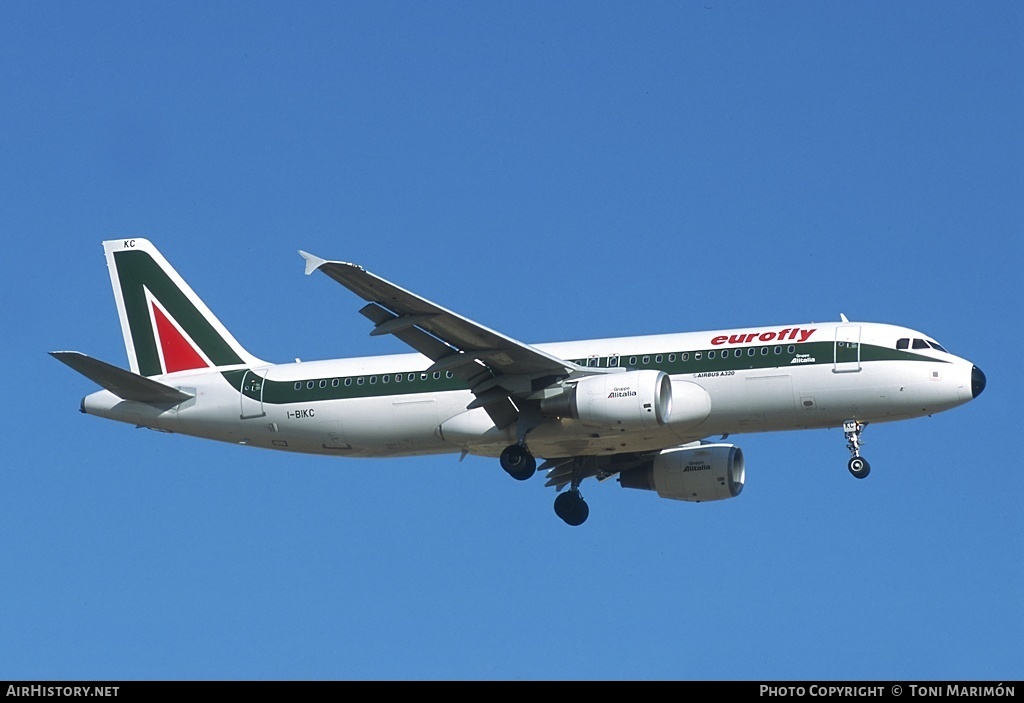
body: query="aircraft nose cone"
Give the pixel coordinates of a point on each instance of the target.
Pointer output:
(977, 381)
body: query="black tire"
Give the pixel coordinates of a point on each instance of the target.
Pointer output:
(571, 508)
(859, 467)
(518, 462)
(579, 515)
(565, 505)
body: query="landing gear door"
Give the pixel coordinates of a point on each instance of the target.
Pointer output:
(252, 393)
(847, 349)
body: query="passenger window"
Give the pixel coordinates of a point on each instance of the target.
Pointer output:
(671, 358)
(658, 358)
(298, 386)
(424, 377)
(437, 375)
(323, 383)
(696, 356)
(359, 381)
(725, 353)
(751, 351)
(778, 350)
(385, 379)
(764, 351)
(685, 356)
(903, 343)
(613, 361)
(348, 381)
(632, 361)
(647, 360)
(335, 383)
(711, 354)
(398, 378)
(373, 379)
(790, 349)
(411, 377)
(310, 384)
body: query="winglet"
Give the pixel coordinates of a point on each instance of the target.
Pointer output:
(312, 262)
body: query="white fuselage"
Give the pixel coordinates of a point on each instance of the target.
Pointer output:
(733, 381)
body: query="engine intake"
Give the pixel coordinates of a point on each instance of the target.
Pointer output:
(630, 400)
(692, 473)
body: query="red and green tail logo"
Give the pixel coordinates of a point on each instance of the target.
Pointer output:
(167, 327)
(177, 351)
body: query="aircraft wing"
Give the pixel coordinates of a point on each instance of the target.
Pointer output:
(496, 366)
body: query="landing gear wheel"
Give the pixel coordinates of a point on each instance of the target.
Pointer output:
(571, 507)
(859, 467)
(518, 462)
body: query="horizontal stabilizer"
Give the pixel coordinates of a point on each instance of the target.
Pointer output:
(124, 384)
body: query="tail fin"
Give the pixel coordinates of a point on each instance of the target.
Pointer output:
(166, 326)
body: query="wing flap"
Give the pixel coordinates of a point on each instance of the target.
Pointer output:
(561, 471)
(427, 345)
(499, 407)
(124, 384)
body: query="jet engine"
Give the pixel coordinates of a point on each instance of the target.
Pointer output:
(693, 472)
(631, 400)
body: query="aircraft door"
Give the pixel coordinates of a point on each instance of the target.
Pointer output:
(847, 349)
(252, 393)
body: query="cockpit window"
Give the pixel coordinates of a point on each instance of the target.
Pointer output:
(905, 343)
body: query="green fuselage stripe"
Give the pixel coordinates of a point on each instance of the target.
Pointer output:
(695, 362)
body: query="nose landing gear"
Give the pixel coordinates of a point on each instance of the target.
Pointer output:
(857, 465)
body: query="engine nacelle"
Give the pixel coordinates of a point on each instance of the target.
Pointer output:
(631, 400)
(695, 473)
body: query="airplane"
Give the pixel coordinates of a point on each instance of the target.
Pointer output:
(639, 409)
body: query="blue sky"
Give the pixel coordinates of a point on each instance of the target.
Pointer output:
(553, 171)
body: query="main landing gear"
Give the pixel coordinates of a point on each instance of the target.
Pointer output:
(570, 505)
(857, 465)
(518, 462)
(516, 459)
